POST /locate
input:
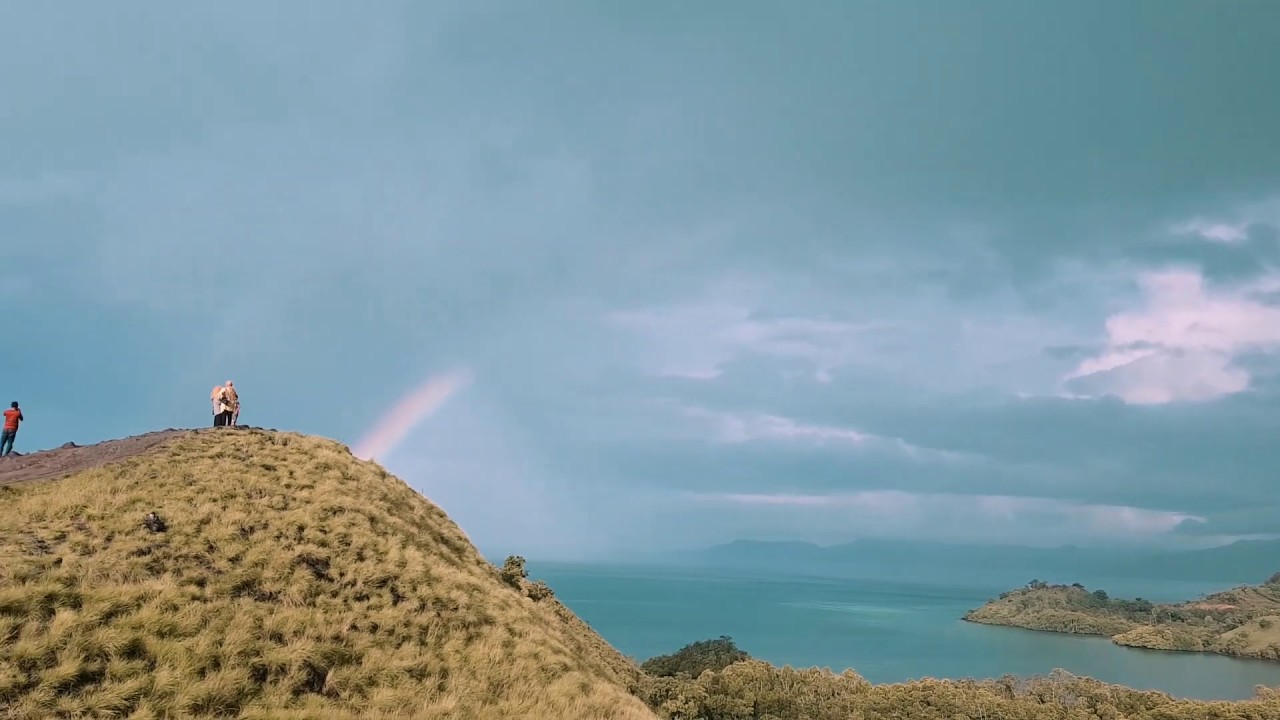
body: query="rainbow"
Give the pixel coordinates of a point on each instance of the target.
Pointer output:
(419, 404)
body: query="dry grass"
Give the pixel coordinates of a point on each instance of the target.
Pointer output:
(1260, 638)
(293, 581)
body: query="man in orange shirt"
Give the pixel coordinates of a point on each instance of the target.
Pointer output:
(12, 417)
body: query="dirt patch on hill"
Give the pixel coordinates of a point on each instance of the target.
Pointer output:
(1210, 606)
(70, 458)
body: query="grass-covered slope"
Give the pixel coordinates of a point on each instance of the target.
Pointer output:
(1243, 621)
(292, 580)
(714, 680)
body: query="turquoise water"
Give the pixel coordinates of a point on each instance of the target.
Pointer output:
(886, 631)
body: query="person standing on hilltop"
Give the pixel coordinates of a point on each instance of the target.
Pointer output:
(221, 406)
(233, 403)
(215, 398)
(12, 417)
(226, 405)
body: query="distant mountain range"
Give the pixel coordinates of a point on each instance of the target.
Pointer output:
(1246, 561)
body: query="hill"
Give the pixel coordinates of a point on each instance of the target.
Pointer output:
(1232, 563)
(254, 574)
(1243, 621)
(289, 580)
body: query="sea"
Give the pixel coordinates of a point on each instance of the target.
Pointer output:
(887, 631)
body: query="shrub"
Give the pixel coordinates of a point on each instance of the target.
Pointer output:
(513, 571)
(694, 658)
(539, 590)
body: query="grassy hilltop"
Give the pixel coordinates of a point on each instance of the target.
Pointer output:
(1242, 621)
(292, 580)
(284, 578)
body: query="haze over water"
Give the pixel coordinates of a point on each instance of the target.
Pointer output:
(886, 631)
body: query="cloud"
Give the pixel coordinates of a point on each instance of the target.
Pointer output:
(1228, 233)
(955, 322)
(893, 513)
(738, 428)
(848, 265)
(698, 340)
(1183, 344)
(1258, 521)
(1250, 218)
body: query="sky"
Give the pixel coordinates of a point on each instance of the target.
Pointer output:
(603, 277)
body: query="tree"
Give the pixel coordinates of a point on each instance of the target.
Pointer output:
(513, 571)
(694, 658)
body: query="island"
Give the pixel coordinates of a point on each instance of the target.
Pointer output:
(1243, 621)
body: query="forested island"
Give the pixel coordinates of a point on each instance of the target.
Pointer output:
(1243, 621)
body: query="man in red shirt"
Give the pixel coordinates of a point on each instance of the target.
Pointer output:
(12, 417)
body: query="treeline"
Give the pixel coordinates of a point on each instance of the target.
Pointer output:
(1078, 597)
(714, 680)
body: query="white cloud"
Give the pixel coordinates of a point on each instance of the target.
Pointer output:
(1226, 233)
(744, 427)
(1181, 346)
(875, 500)
(1266, 212)
(697, 340)
(894, 513)
(918, 337)
(741, 428)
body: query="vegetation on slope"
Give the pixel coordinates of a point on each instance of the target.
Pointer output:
(267, 575)
(1242, 621)
(748, 689)
(695, 658)
(280, 577)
